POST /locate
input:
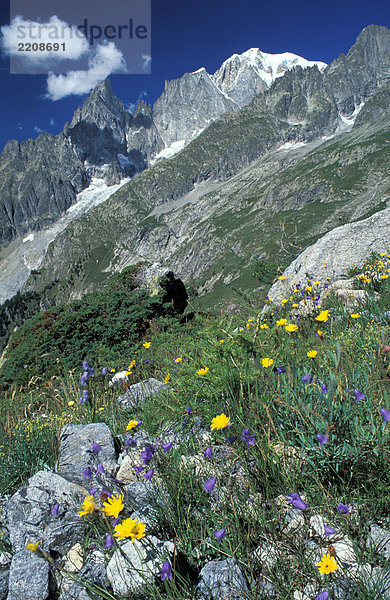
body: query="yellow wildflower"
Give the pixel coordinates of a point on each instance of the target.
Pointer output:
(32, 547)
(203, 371)
(323, 316)
(130, 528)
(281, 277)
(317, 283)
(131, 425)
(167, 378)
(327, 564)
(312, 353)
(178, 360)
(267, 362)
(146, 344)
(88, 506)
(320, 333)
(70, 403)
(220, 422)
(128, 373)
(113, 506)
(291, 327)
(355, 316)
(281, 322)
(221, 341)
(295, 305)
(264, 326)
(131, 365)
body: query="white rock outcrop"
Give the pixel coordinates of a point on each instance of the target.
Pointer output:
(340, 249)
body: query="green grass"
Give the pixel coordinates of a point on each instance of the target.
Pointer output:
(284, 414)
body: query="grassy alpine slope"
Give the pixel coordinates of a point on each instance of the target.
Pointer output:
(302, 409)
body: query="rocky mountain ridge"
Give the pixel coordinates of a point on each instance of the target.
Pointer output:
(41, 178)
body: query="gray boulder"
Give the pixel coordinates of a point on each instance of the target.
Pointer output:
(136, 564)
(94, 572)
(222, 580)
(138, 392)
(4, 577)
(340, 249)
(29, 515)
(75, 442)
(29, 577)
(379, 540)
(140, 494)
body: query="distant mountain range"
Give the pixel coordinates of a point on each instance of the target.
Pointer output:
(266, 144)
(40, 179)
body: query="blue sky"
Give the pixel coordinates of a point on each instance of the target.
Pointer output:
(187, 35)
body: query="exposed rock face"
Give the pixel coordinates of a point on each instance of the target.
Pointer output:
(239, 81)
(98, 133)
(143, 137)
(39, 181)
(188, 105)
(344, 247)
(40, 178)
(354, 77)
(139, 392)
(104, 110)
(29, 513)
(29, 577)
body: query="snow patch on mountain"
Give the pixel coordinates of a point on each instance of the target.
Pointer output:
(348, 122)
(169, 151)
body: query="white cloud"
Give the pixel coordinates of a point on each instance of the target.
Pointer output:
(38, 129)
(53, 31)
(147, 60)
(51, 122)
(106, 59)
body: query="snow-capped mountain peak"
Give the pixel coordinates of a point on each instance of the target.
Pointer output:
(242, 76)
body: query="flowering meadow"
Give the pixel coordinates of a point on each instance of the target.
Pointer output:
(269, 444)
